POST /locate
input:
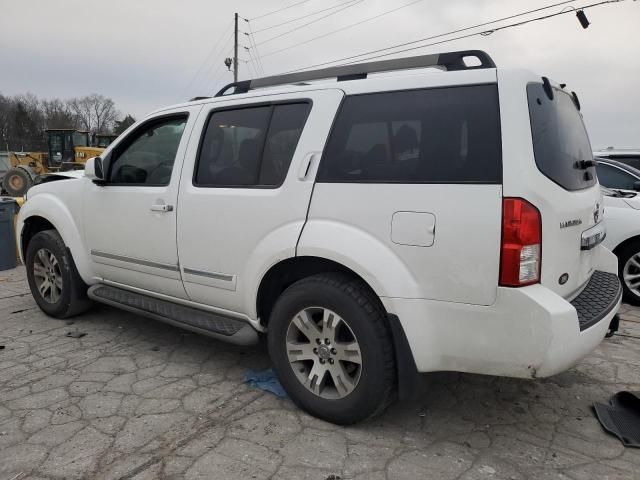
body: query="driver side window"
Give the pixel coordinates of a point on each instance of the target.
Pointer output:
(147, 157)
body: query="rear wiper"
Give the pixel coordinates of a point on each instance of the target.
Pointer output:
(584, 164)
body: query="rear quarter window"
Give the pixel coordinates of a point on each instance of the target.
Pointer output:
(560, 139)
(440, 135)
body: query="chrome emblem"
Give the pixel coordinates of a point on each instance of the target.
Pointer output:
(571, 223)
(596, 213)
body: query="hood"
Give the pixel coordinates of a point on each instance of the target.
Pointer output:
(52, 177)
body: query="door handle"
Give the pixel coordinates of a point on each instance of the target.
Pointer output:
(162, 208)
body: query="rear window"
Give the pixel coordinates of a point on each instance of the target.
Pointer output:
(442, 135)
(560, 140)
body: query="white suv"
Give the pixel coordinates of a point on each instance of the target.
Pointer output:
(424, 220)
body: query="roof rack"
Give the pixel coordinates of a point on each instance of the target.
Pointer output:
(449, 61)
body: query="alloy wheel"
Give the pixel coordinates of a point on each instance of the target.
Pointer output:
(324, 353)
(47, 275)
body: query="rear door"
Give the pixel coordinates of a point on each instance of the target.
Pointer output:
(571, 203)
(418, 173)
(547, 161)
(244, 199)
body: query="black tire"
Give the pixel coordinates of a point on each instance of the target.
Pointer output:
(72, 300)
(624, 254)
(353, 301)
(16, 182)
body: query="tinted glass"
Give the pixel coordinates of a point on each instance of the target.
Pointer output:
(80, 139)
(444, 135)
(559, 137)
(147, 159)
(284, 132)
(612, 177)
(250, 146)
(627, 160)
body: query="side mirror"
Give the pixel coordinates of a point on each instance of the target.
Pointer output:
(636, 185)
(96, 169)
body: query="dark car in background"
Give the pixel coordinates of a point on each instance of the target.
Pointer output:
(627, 156)
(617, 175)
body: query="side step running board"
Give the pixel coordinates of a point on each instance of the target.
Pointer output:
(213, 325)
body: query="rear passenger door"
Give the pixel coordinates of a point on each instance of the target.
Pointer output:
(244, 198)
(413, 178)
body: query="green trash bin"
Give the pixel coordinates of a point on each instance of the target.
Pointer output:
(8, 208)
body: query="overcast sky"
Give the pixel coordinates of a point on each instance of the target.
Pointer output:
(148, 53)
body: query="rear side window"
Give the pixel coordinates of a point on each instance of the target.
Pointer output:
(250, 147)
(560, 140)
(442, 135)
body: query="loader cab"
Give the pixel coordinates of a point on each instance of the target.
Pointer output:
(62, 143)
(103, 140)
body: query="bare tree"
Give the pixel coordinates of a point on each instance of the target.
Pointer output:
(58, 114)
(96, 113)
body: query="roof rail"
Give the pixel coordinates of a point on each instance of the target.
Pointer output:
(447, 61)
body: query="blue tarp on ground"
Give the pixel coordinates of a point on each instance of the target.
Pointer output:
(265, 380)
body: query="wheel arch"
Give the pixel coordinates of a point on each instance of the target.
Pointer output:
(44, 212)
(628, 241)
(290, 270)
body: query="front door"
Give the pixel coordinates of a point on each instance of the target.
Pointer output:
(130, 223)
(243, 206)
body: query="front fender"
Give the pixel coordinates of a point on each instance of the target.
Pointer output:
(56, 212)
(361, 252)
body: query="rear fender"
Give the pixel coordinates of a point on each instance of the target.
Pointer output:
(354, 248)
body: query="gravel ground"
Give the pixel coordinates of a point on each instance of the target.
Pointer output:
(134, 398)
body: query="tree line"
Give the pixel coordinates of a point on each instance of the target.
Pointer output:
(24, 119)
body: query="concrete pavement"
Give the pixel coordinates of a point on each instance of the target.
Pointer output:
(137, 399)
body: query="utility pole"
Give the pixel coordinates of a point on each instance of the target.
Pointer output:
(235, 50)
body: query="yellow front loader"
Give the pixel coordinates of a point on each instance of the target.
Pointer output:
(68, 150)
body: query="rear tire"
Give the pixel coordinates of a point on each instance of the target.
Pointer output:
(53, 279)
(629, 271)
(16, 182)
(333, 325)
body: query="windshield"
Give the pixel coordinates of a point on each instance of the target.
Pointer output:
(80, 139)
(560, 141)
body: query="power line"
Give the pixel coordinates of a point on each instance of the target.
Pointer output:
(215, 66)
(453, 32)
(351, 4)
(487, 32)
(215, 48)
(346, 27)
(252, 43)
(302, 17)
(433, 37)
(280, 10)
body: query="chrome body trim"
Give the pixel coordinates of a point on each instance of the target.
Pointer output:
(137, 261)
(217, 276)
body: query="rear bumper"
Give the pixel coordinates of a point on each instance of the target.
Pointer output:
(528, 332)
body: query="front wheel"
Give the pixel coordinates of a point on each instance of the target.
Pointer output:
(332, 349)
(53, 279)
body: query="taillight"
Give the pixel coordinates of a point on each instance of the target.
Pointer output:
(521, 248)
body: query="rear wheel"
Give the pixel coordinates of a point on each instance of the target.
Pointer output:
(53, 279)
(16, 182)
(331, 348)
(629, 271)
